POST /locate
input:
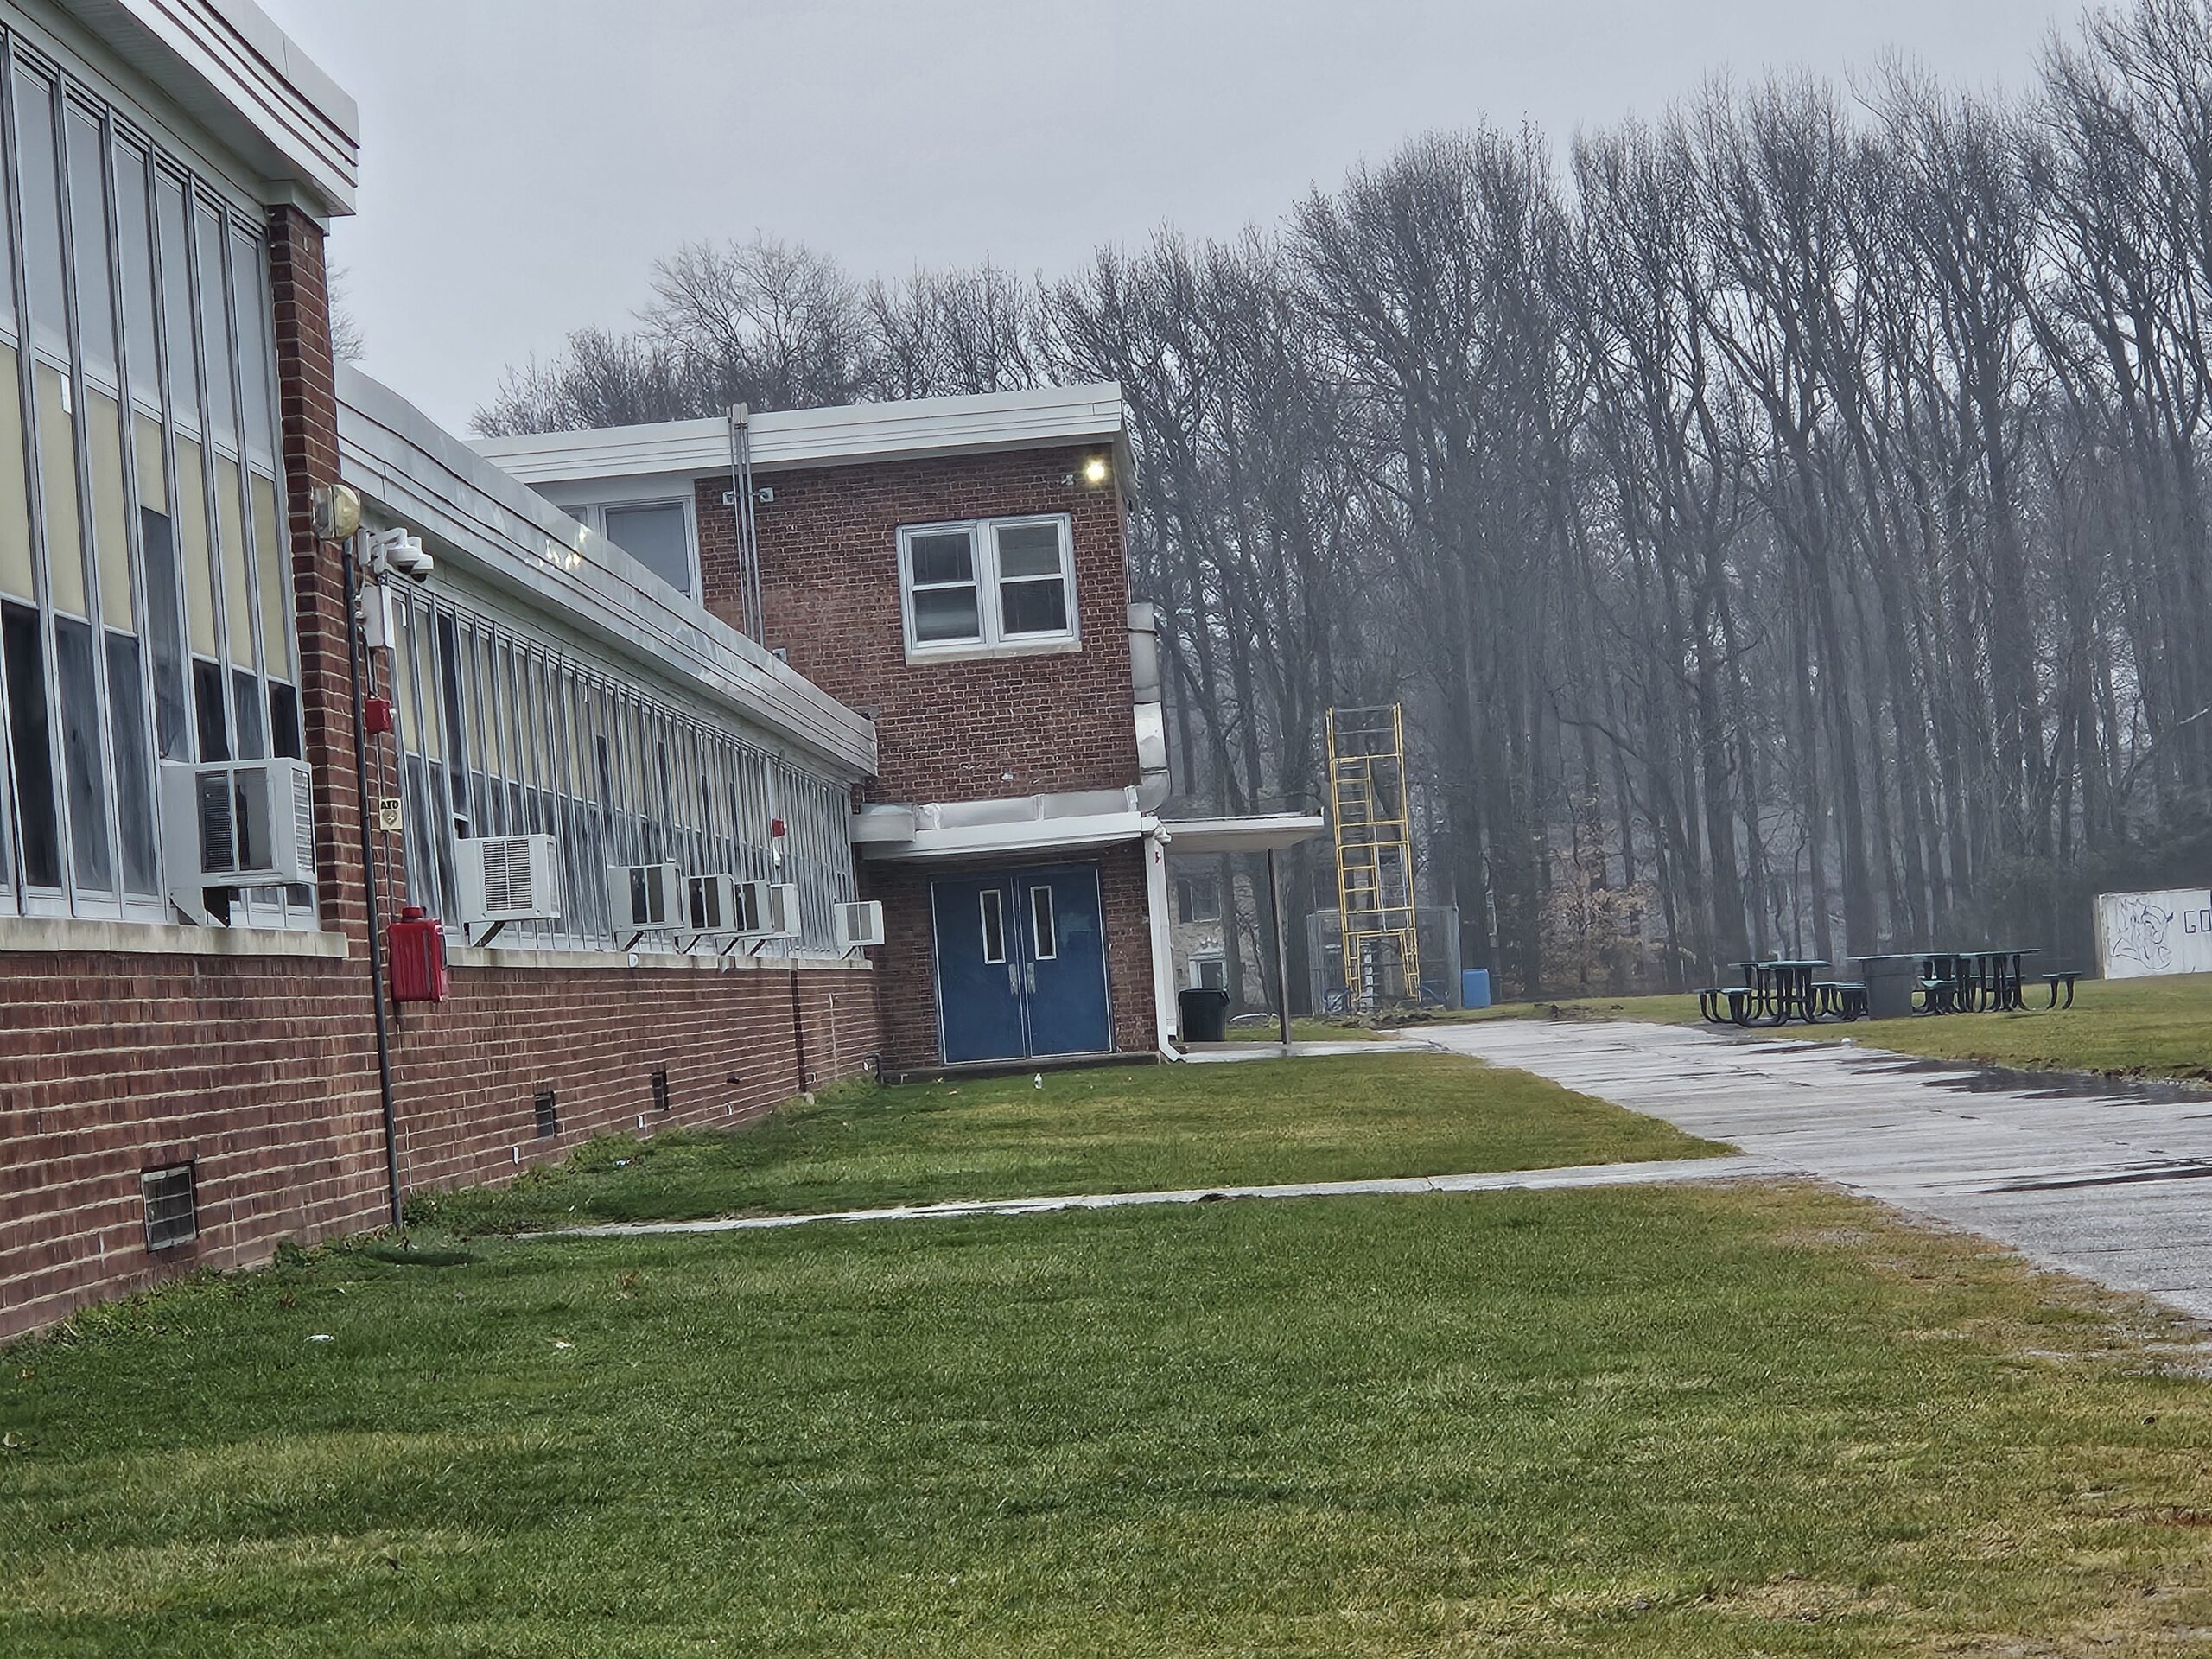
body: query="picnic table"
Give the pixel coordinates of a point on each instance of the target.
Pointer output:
(1780, 991)
(1974, 982)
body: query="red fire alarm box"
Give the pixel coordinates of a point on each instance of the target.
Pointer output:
(419, 957)
(376, 716)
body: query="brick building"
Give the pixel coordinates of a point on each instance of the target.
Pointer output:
(194, 1067)
(649, 721)
(957, 570)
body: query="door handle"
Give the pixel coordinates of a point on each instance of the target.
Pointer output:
(1029, 971)
(1013, 978)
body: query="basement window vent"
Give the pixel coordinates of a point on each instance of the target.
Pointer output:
(172, 1217)
(548, 1116)
(660, 1090)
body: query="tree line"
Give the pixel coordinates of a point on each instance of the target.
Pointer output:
(1785, 522)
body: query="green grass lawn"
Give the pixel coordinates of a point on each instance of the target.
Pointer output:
(2126, 1027)
(1107, 1129)
(1640, 1422)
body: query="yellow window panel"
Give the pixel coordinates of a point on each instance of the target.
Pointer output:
(270, 557)
(238, 581)
(16, 578)
(57, 475)
(200, 570)
(104, 433)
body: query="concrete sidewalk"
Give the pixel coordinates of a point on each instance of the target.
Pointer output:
(2115, 1186)
(1512, 1180)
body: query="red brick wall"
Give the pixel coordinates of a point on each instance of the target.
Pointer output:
(468, 1068)
(906, 966)
(262, 1070)
(945, 731)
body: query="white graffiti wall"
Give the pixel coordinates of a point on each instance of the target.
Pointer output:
(2141, 933)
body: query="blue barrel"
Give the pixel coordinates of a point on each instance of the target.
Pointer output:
(1474, 987)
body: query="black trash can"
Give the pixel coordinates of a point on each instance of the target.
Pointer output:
(1205, 1015)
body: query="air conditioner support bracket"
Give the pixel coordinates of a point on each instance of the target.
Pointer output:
(632, 942)
(486, 936)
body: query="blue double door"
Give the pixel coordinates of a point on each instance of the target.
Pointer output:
(1020, 963)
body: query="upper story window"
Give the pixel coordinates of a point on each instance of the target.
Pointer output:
(989, 586)
(145, 593)
(657, 534)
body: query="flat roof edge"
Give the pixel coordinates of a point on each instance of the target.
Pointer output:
(785, 439)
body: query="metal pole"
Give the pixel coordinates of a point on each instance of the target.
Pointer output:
(354, 657)
(1282, 958)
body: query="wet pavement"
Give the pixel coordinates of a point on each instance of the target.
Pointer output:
(2111, 1180)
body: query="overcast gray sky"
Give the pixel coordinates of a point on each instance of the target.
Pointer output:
(523, 162)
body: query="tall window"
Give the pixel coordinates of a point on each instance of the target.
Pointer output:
(145, 605)
(995, 585)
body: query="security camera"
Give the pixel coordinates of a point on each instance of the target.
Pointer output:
(401, 554)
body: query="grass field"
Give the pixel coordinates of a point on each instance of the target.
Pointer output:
(2125, 1028)
(1109, 1129)
(1634, 1422)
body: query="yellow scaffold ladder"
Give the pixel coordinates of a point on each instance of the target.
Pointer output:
(1369, 813)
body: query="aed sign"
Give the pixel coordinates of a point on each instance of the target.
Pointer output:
(2144, 933)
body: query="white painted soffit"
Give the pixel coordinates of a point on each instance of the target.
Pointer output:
(429, 480)
(1256, 832)
(229, 67)
(1036, 835)
(825, 437)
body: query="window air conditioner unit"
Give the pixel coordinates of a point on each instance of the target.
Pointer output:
(715, 904)
(644, 898)
(860, 925)
(235, 823)
(778, 910)
(508, 878)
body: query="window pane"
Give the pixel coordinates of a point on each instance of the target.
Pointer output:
(76, 679)
(250, 310)
(31, 743)
(169, 725)
(42, 206)
(199, 566)
(238, 614)
(270, 558)
(57, 473)
(1044, 936)
(15, 500)
(214, 324)
(1029, 550)
(993, 916)
(138, 247)
(655, 537)
(947, 556)
(207, 706)
(252, 742)
(88, 244)
(134, 776)
(176, 300)
(1033, 607)
(285, 721)
(943, 613)
(104, 433)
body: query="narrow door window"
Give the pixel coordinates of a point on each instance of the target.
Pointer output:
(1044, 934)
(994, 926)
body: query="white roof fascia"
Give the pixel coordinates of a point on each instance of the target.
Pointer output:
(1254, 832)
(784, 439)
(227, 66)
(1040, 836)
(399, 458)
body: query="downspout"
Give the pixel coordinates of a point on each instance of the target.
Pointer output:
(1163, 937)
(355, 655)
(743, 528)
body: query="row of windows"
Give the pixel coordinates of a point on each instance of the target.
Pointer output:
(502, 735)
(145, 610)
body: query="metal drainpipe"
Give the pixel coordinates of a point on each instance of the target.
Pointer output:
(355, 660)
